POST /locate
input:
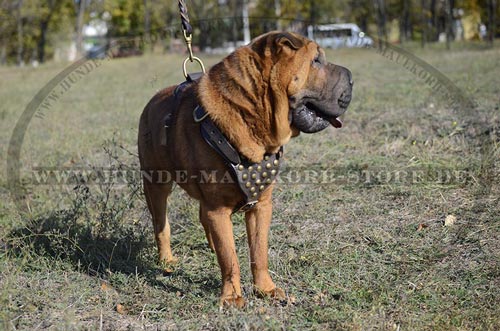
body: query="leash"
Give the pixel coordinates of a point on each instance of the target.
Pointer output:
(187, 31)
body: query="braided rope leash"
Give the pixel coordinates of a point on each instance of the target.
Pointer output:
(187, 30)
(186, 25)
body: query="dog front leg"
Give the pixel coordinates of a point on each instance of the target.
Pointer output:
(156, 198)
(258, 222)
(221, 232)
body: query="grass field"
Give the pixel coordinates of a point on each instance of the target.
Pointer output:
(355, 253)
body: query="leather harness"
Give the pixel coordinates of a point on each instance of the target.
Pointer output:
(252, 178)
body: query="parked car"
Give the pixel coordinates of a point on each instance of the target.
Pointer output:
(339, 35)
(97, 52)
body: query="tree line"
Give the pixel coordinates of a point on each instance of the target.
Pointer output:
(33, 30)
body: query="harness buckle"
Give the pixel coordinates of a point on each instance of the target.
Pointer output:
(199, 114)
(246, 207)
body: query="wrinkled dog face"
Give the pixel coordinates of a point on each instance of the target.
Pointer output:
(323, 96)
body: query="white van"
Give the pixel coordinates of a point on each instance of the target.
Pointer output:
(338, 35)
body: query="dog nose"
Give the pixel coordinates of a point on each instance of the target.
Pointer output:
(346, 96)
(345, 99)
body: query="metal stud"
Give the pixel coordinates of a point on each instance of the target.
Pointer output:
(276, 162)
(241, 167)
(252, 189)
(259, 168)
(268, 181)
(258, 181)
(264, 174)
(254, 195)
(266, 157)
(250, 168)
(248, 184)
(273, 172)
(254, 176)
(244, 176)
(262, 187)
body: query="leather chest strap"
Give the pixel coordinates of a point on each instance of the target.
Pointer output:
(215, 138)
(252, 178)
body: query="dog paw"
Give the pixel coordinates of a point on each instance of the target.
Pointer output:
(171, 260)
(167, 265)
(232, 302)
(276, 294)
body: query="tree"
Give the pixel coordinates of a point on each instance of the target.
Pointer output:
(492, 9)
(147, 22)
(405, 21)
(381, 20)
(80, 7)
(48, 10)
(434, 19)
(449, 18)
(360, 12)
(20, 33)
(7, 9)
(424, 24)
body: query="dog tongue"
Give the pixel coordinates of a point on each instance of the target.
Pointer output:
(336, 122)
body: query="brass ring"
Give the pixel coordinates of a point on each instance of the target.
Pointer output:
(194, 59)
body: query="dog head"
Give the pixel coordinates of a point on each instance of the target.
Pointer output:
(272, 89)
(318, 92)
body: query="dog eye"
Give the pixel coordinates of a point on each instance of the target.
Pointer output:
(317, 59)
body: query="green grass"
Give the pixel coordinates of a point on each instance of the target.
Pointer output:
(350, 254)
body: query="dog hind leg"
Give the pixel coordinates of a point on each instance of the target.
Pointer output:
(206, 226)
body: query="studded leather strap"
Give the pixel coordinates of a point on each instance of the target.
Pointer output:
(252, 178)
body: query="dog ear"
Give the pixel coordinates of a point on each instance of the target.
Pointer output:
(289, 40)
(274, 42)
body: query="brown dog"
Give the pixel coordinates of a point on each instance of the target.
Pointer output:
(258, 97)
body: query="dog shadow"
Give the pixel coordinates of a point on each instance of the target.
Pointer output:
(58, 235)
(121, 248)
